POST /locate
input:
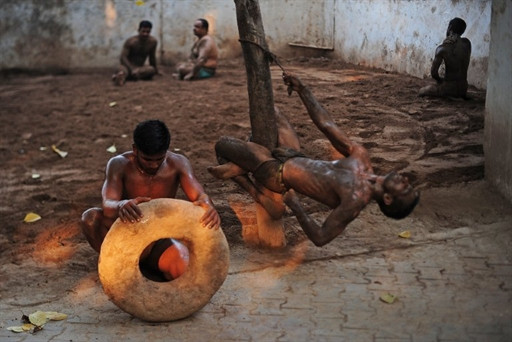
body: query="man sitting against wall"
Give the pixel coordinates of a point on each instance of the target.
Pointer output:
(203, 55)
(455, 52)
(134, 54)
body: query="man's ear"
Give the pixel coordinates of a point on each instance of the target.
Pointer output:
(134, 149)
(387, 198)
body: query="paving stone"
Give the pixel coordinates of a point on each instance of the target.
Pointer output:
(445, 292)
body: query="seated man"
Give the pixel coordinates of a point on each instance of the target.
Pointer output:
(203, 56)
(346, 185)
(134, 54)
(149, 171)
(455, 53)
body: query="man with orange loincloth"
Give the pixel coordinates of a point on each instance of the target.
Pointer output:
(203, 56)
(455, 52)
(134, 54)
(148, 171)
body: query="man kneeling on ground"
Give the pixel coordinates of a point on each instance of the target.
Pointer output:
(149, 171)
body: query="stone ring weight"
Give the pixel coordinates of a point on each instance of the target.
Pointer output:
(153, 301)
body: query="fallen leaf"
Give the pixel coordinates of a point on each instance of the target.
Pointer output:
(112, 149)
(62, 154)
(55, 316)
(31, 217)
(38, 318)
(113, 104)
(139, 3)
(43, 148)
(21, 328)
(36, 175)
(388, 298)
(405, 234)
(124, 135)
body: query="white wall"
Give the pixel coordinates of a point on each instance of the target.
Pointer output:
(402, 35)
(498, 118)
(394, 35)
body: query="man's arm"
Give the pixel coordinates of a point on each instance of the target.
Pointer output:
(152, 56)
(320, 116)
(196, 194)
(438, 59)
(112, 192)
(334, 224)
(125, 52)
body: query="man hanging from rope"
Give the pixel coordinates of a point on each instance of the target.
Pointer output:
(346, 185)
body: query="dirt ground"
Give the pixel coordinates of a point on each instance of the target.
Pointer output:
(436, 142)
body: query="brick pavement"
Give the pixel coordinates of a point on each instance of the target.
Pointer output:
(450, 284)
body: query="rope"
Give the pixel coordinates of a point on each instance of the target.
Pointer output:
(272, 58)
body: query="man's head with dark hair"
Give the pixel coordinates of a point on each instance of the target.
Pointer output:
(399, 198)
(457, 25)
(151, 137)
(204, 22)
(145, 24)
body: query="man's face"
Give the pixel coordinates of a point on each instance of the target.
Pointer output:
(199, 30)
(144, 32)
(149, 164)
(397, 185)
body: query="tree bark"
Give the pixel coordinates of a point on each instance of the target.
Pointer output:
(259, 82)
(261, 107)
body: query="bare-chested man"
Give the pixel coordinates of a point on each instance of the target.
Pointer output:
(346, 185)
(203, 56)
(455, 52)
(148, 171)
(134, 54)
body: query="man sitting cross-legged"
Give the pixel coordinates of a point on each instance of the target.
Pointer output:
(346, 185)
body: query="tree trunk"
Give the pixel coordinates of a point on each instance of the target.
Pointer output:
(261, 106)
(259, 82)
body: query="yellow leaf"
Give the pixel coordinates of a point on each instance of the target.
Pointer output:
(38, 318)
(55, 316)
(22, 328)
(62, 154)
(16, 329)
(388, 298)
(31, 217)
(112, 149)
(28, 326)
(113, 104)
(405, 234)
(139, 3)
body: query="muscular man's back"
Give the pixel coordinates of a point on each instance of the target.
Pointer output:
(456, 57)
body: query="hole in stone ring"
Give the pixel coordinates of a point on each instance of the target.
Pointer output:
(164, 260)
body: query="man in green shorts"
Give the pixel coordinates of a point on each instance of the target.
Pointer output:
(203, 56)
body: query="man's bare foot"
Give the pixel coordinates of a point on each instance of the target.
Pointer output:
(119, 78)
(226, 171)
